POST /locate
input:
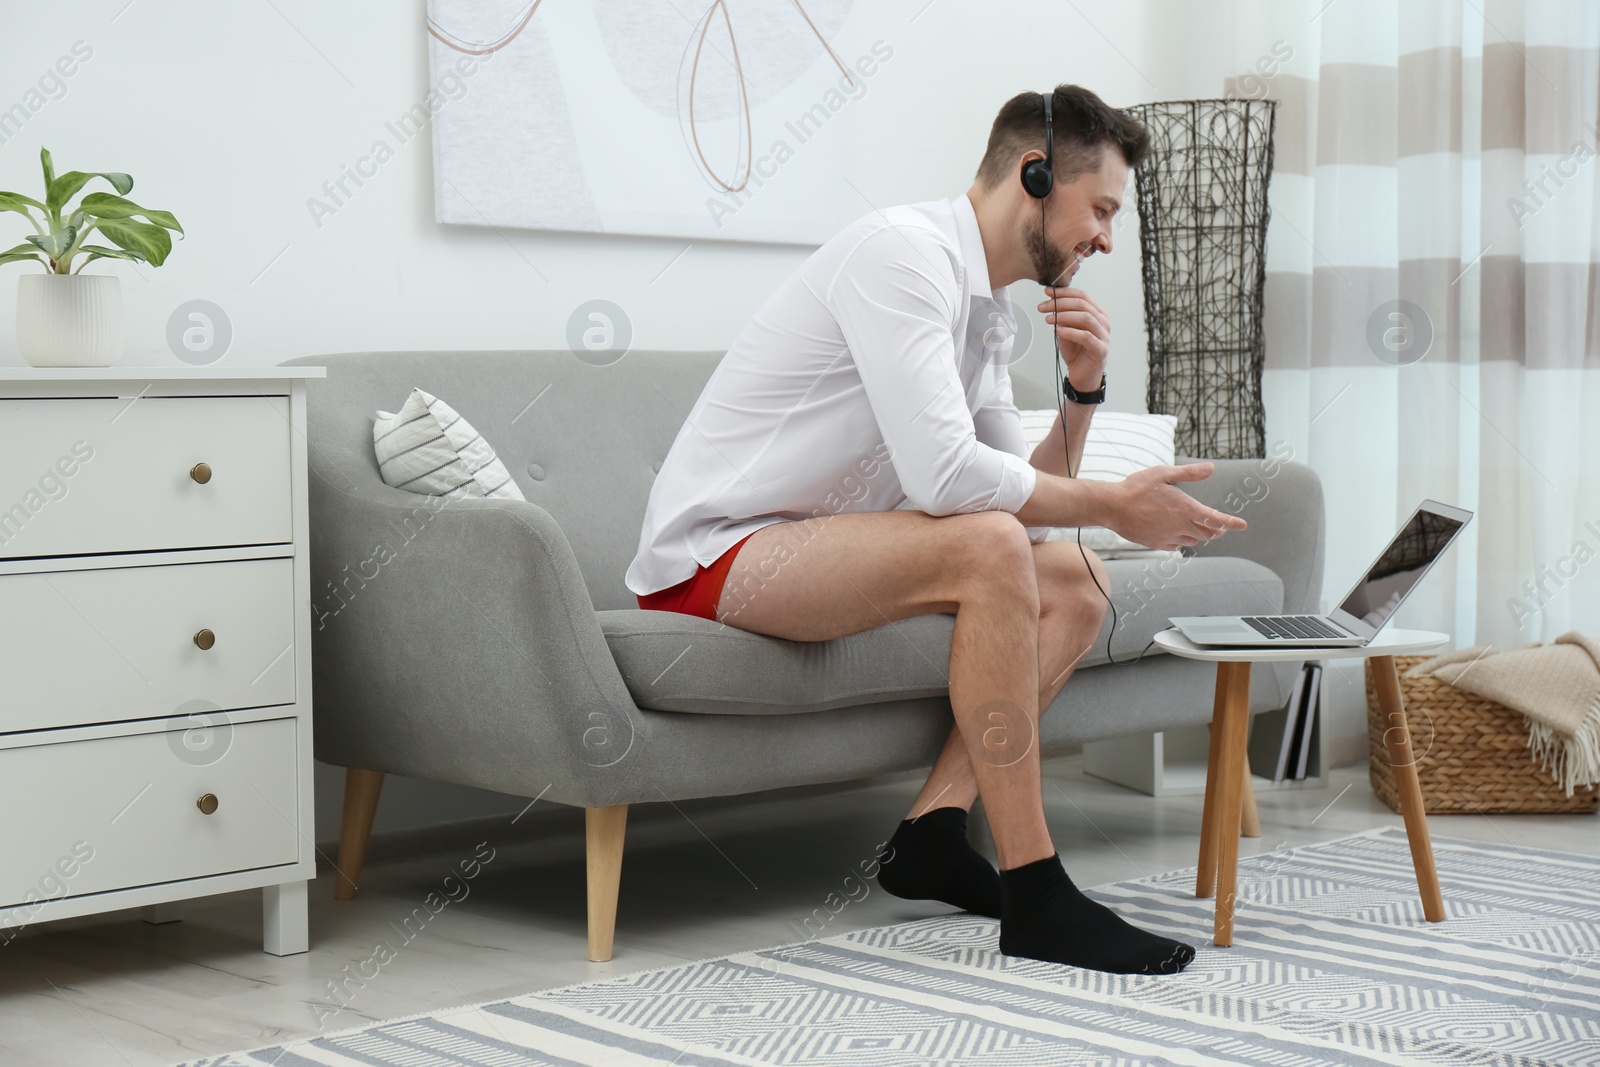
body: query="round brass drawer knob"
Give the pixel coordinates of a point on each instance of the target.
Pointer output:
(201, 472)
(205, 639)
(207, 803)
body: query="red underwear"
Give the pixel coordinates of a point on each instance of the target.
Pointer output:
(698, 594)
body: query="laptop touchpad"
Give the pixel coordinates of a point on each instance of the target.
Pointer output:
(1231, 629)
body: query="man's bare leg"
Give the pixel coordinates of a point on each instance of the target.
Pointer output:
(824, 578)
(836, 576)
(1072, 610)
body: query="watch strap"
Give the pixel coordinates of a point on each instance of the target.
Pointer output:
(1096, 397)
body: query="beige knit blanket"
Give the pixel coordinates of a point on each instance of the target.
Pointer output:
(1557, 688)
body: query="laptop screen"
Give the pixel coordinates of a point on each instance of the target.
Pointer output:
(1408, 557)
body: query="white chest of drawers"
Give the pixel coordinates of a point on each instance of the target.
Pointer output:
(155, 650)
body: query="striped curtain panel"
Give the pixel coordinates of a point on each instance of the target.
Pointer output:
(1432, 306)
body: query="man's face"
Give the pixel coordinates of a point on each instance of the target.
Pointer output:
(1077, 220)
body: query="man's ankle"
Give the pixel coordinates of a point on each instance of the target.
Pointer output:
(919, 812)
(1021, 857)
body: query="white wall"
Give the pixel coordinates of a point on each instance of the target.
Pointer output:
(232, 115)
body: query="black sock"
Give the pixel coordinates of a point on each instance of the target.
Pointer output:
(1045, 917)
(929, 858)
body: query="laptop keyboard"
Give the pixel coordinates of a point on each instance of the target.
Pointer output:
(1293, 626)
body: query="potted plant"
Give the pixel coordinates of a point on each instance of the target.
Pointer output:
(66, 318)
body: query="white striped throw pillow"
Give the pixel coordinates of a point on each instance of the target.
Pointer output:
(427, 447)
(1119, 443)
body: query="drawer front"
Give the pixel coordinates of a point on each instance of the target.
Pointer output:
(90, 475)
(89, 646)
(117, 812)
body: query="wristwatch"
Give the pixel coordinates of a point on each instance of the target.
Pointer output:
(1096, 397)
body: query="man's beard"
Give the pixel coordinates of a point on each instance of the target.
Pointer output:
(1050, 264)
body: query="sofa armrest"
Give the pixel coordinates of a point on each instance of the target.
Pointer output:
(456, 641)
(1282, 502)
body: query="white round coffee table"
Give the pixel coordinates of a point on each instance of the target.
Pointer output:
(1225, 765)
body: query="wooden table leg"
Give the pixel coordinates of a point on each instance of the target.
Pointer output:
(1205, 882)
(1397, 739)
(1231, 730)
(1249, 817)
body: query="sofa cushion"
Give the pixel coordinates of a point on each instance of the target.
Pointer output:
(428, 447)
(676, 662)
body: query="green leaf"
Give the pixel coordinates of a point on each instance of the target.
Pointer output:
(20, 204)
(10, 202)
(20, 252)
(78, 219)
(53, 244)
(62, 189)
(106, 206)
(102, 252)
(49, 167)
(163, 218)
(143, 237)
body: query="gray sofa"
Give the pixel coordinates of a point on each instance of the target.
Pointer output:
(493, 644)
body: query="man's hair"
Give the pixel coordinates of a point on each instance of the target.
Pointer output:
(1082, 125)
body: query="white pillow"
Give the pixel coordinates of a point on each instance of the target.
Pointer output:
(1119, 443)
(427, 447)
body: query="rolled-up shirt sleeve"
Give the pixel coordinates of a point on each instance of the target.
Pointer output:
(895, 300)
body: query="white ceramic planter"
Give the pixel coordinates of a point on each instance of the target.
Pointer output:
(69, 320)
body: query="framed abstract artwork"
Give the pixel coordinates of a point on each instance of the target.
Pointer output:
(701, 120)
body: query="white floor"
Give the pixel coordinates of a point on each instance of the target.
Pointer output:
(702, 879)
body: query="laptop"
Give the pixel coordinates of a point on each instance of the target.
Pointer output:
(1362, 613)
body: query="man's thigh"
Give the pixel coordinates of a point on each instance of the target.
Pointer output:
(827, 577)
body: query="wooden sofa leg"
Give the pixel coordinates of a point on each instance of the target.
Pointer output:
(361, 789)
(603, 830)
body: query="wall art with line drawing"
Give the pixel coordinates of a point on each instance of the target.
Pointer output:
(728, 119)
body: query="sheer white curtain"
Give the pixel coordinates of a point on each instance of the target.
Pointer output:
(1539, 329)
(1433, 301)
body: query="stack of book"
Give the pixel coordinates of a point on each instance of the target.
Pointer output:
(1287, 754)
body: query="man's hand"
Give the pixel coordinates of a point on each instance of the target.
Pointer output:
(1150, 510)
(1083, 331)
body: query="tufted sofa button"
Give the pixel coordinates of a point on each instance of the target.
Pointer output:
(536, 472)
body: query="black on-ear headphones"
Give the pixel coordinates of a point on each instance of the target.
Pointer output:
(1037, 175)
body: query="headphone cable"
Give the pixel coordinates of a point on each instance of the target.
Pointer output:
(1066, 448)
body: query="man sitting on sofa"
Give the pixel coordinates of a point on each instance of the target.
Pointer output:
(856, 458)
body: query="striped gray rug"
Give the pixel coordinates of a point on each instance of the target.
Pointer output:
(1332, 965)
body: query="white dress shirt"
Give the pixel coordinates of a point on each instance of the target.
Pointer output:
(873, 379)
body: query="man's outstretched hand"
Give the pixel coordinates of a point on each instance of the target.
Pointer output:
(1151, 510)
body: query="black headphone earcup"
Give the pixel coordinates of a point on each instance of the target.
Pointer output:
(1037, 178)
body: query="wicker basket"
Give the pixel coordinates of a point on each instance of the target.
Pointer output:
(1472, 754)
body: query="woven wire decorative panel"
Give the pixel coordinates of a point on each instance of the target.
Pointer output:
(1203, 231)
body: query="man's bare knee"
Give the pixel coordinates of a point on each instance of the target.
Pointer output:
(1092, 604)
(1074, 580)
(1094, 588)
(989, 554)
